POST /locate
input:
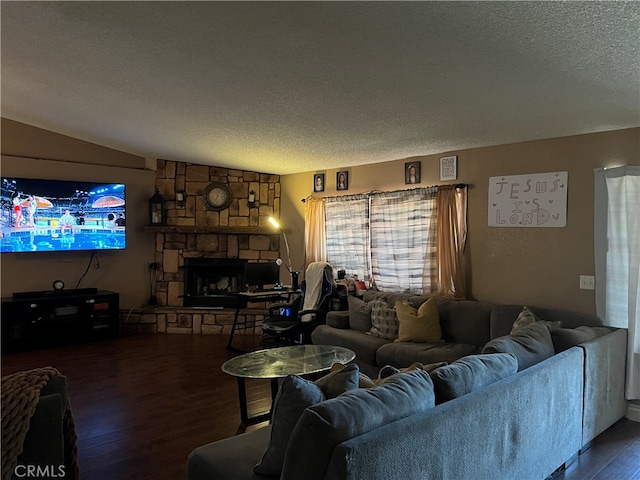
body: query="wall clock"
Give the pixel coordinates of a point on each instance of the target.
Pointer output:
(217, 196)
(58, 285)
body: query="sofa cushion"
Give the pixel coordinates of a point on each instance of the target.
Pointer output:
(359, 314)
(530, 344)
(403, 354)
(418, 325)
(296, 394)
(565, 338)
(338, 319)
(502, 317)
(384, 322)
(365, 346)
(229, 458)
(327, 424)
(392, 297)
(464, 321)
(471, 373)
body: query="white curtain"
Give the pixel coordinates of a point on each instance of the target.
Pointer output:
(617, 255)
(347, 234)
(403, 243)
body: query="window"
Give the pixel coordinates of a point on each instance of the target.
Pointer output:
(617, 253)
(347, 230)
(403, 241)
(386, 238)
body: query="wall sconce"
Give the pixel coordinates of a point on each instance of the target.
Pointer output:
(181, 196)
(251, 200)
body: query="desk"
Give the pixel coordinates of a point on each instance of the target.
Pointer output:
(274, 363)
(243, 299)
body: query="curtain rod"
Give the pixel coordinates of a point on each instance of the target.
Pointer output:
(457, 185)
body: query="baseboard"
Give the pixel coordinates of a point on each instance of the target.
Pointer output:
(633, 412)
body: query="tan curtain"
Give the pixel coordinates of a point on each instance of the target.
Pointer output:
(451, 207)
(315, 239)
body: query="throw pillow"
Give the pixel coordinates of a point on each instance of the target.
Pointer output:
(420, 325)
(340, 379)
(294, 396)
(325, 425)
(359, 314)
(471, 373)
(384, 322)
(431, 367)
(565, 338)
(389, 370)
(530, 344)
(526, 317)
(365, 381)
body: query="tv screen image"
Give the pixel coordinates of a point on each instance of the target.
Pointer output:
(38, 215)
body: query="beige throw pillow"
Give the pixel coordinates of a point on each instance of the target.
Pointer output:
(421, 325)
(526, 317)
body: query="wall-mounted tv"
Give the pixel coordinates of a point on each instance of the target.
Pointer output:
(38, 215)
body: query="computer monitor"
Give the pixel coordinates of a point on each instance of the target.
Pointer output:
(262, 274)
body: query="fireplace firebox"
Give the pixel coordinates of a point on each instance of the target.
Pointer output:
(209, 282)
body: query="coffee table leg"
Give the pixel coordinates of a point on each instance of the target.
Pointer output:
(242, 399)
(234, 326)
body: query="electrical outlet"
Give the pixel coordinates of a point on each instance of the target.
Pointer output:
(587, 282)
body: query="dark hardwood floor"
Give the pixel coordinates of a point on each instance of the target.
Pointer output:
(141, 403)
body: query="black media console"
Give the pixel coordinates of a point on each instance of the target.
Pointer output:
(51, 318)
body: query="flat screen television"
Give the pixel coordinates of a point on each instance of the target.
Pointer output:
(40, 215)
(262, 274)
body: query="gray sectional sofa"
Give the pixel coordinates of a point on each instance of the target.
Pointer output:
(525, 425)
(467, 326)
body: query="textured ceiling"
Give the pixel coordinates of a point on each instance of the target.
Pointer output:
(307, 86)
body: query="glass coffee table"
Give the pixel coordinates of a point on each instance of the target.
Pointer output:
(275, 363)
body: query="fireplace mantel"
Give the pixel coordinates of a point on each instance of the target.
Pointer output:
(205, 229)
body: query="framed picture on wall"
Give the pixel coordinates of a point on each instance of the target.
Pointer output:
(342, 180)
(318, 182)
(449, 168)
(411, 172)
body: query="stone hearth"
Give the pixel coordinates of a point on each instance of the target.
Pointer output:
(240, 233)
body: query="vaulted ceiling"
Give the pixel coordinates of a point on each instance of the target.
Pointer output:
(286, 87)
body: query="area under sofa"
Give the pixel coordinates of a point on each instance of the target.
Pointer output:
(524, 426)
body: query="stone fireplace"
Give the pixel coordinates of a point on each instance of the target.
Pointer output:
(201, 253)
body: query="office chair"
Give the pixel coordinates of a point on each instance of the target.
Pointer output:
(293, 322)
